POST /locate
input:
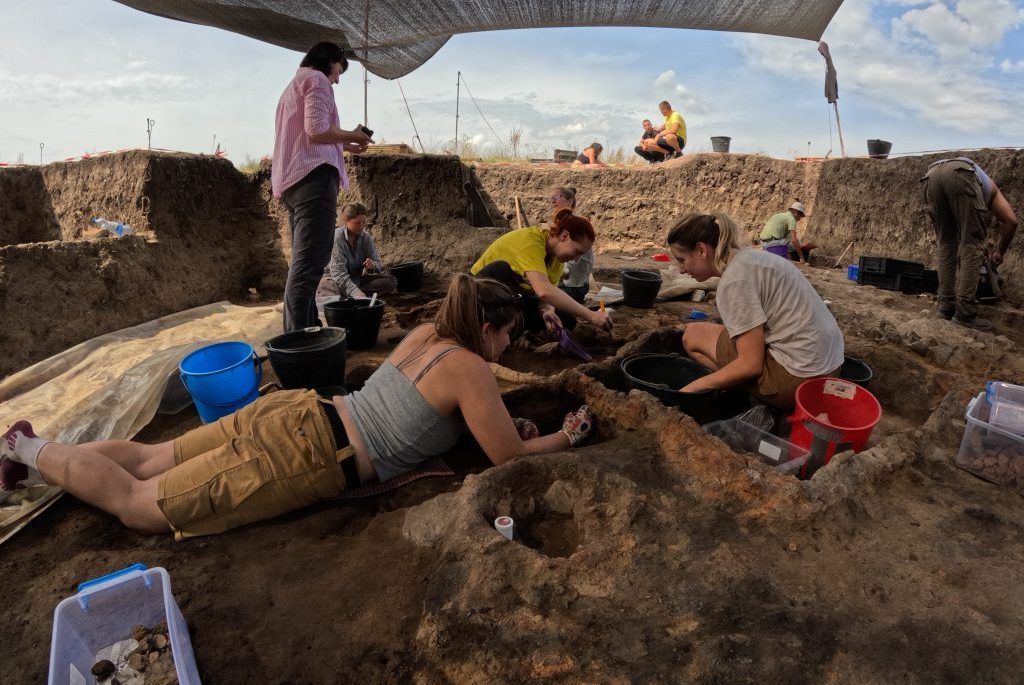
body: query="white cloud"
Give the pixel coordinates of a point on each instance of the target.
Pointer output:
(911, 70)
(50, 89)
(665, 79)
(1008, 66)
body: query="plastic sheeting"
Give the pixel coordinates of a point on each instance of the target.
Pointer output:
(109, 388)
(400, 36)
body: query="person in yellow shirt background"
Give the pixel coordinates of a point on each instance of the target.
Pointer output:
(531, 260)
(671, 134)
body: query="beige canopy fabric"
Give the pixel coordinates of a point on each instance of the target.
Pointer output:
(398, 37)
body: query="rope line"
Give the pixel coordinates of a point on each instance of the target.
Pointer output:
(496, 137)
(416, 137)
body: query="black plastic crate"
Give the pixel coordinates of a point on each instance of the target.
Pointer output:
(890, 267)
(910, 285)
(931, 281)
(878, 280)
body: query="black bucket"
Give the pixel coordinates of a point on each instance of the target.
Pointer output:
(310, 358)
(360, 321)
(856, 371)
(720, 143)
(640, 288)
(879, 149)
(663, 374)
(409, 276)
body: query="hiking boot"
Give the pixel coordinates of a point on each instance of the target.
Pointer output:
(973, 322)
(946, 311)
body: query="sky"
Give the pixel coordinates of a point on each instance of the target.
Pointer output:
(83, 76)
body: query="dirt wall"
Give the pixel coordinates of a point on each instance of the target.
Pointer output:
(417, 209)
(27, 214)
(875, 204)
(201, 238)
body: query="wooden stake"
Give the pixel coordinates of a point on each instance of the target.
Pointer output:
(519, 213)
(839, 261)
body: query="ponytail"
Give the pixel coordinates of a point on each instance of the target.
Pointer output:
(469, 304)
(716, 230)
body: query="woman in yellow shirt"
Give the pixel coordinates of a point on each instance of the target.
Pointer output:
(531, 260)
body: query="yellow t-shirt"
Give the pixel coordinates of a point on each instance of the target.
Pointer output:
(676, 118)
(524, 250)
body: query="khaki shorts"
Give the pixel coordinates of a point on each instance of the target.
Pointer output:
(273, 456)
(775, 385)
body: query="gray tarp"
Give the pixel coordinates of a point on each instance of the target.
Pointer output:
(400, 36)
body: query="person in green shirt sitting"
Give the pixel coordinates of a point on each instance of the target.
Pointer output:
(531, 260)
(779, 232)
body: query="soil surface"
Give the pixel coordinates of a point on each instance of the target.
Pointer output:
(651, 553)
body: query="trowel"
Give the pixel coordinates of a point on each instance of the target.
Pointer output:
(569, 345)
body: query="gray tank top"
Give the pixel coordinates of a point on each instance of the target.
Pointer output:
(399, 427)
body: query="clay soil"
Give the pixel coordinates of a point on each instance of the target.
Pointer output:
(649, 554)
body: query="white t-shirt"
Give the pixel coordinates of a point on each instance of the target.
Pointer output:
(758, 288)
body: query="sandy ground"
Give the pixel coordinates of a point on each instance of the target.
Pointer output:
(649, 554)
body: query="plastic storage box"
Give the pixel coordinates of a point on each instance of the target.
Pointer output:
(890, 266)
(104, 612)
(741, 436)
(851, 271)
(991, 452)
(1007, 405)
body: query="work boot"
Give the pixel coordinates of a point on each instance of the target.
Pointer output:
(946, 311)
(974, 322)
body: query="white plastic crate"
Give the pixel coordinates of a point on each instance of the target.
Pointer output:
(1006, 403)
(104, 612)
(780, 454)
(991, 452)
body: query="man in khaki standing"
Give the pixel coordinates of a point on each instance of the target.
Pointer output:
(960, 198)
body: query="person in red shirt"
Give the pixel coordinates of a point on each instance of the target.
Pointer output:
(308, 169)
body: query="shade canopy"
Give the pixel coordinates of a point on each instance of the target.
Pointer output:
(393, 38)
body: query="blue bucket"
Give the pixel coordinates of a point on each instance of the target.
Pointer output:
(222, 378)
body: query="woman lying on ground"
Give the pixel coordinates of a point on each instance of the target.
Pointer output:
(590, 156)
(291, 449)
(530, 260)
(778, 331)
(576, 273)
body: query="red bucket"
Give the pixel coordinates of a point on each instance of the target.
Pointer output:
(832, 415)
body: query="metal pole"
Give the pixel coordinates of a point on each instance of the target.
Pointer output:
(839, 127)
(41, 145)
(458, 82)
(366, 77)
(150, 123)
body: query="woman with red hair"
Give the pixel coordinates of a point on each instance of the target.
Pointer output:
(531, 260)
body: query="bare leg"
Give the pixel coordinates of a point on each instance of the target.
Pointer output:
(700, 340)
(94, 478)
(141, 461)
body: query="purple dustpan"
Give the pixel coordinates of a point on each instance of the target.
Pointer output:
(567, 343)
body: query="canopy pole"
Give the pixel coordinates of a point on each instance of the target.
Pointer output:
(842, 145)
(458, 83)
(366, 74)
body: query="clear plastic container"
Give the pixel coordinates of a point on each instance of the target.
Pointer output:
(998, 391)
(780, 454)
(104, 612)
(991, 452)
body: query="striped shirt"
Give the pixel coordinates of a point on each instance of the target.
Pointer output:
(306, 108)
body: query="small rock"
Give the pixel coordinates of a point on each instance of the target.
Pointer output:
(792, 546)
(137, 662)
(160, 641)
(103, 669)
(547, 348)
(160, 627)
(140, 633)
(153, 656)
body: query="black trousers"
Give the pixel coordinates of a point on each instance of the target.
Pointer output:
(532, 319)
(312, 205)
(649, 155)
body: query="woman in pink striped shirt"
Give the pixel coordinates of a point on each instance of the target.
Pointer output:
(308, 169)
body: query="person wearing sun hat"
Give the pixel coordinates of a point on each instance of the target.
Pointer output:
(780, 231)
